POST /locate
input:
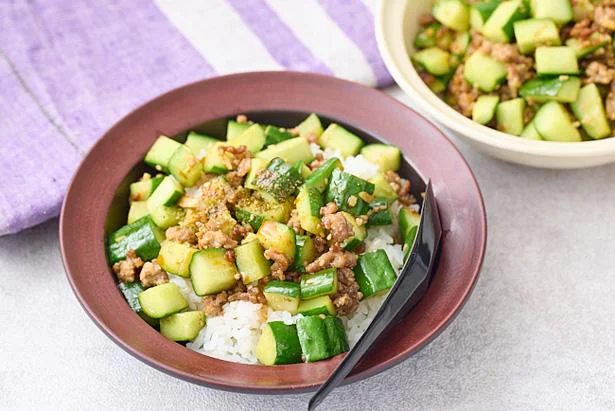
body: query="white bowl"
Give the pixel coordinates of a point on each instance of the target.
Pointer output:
(396, 27)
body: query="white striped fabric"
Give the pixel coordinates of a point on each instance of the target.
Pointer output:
(314, 28)
(217, 32)
(325, 36)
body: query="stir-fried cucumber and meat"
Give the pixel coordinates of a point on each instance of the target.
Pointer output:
(262, 217)
(540, 70)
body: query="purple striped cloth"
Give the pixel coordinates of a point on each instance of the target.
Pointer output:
(69, 69)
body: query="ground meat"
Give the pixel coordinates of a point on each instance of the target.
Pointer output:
(582, 30)
(212, 304)
(610, 103)
(339, 228)
(251, 293)
(126, 270)
(294, 222)
(401, 187)
(280, 263)
(518, 66)
(152, 274)
(335, 257)
(318, 161)
(347, 298)
(320, 244)
(293, 276)
(235, 177)
(240, 231)
(330, 208)
(215, 239)
(599, 73)
(235, 155)
(463, 94)
(604, 16)
(230, 255)
(181, 235)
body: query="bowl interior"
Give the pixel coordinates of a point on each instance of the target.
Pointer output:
(91, 210)
(118, 210)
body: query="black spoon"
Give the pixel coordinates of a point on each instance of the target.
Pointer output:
(410, 287)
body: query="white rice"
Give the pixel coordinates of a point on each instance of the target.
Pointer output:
(234, 335)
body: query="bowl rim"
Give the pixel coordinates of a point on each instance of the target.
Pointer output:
(80, 227)
(394, 53)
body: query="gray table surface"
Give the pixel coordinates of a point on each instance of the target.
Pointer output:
(538, 332)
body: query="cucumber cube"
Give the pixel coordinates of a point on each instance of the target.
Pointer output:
(553, 123)
(374, 273)
(435, 60)
(311, 126)
(530, 132)
(484, 71)
(182, 326)
(278, 344)
(175, 258)
(211, 272)
(564, 90)
(199, 143)
(480, 13)
(251, 262)
(454, 14)
(142, 236)
(162, 300)
(338, 138)
(510, 116)
(536, 32)
(500, 26)
(560, 11)
(283, 296)
(556, 61)
(589, 110)
(484, 109)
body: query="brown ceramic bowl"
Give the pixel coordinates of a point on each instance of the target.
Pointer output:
(96, 204)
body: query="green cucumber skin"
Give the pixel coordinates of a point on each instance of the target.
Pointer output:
(131, 295)
(374, 273)
(285, 288)
(316, 311)
(338, 343)
(407, 220)
(313, 337)
(198, 142)
(383, 217)
(305, 246)
(141, 190)
(288, 346)
(427, 36)
(542, 88)
(344, 185)
(160, 153)
(317, 284)
(142, 236)
(409, 241)
(380, 218)
(279, 179)
(319, 179)
(246, 216)
(487, 8)
(273, 135)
